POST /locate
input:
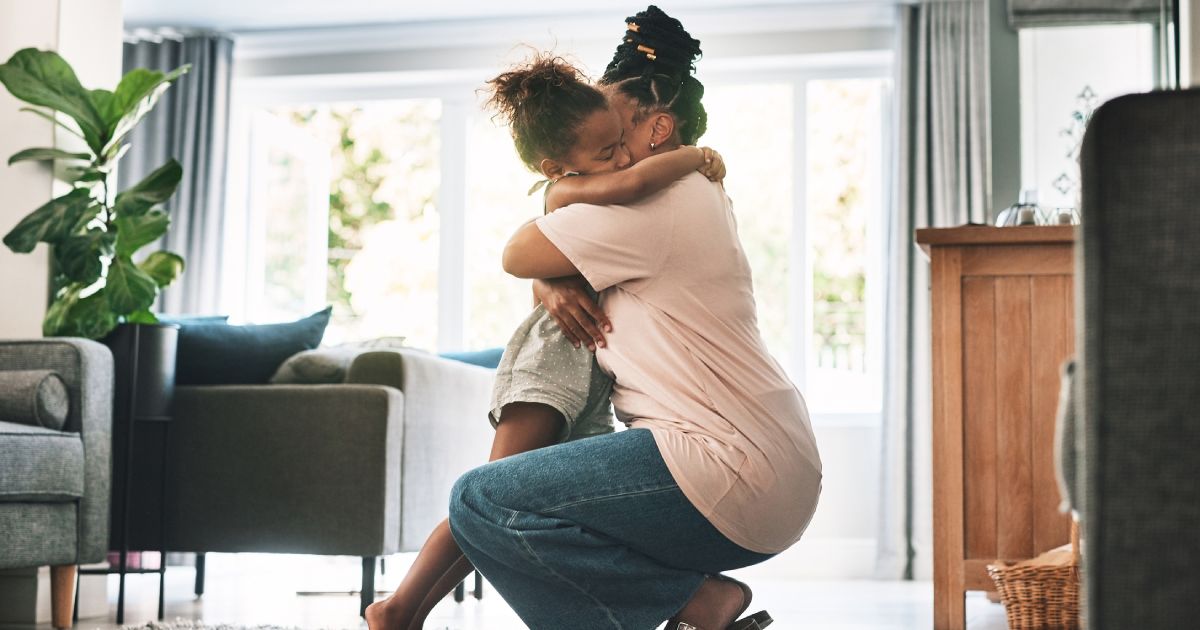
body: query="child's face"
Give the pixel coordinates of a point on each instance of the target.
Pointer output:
(600, 147)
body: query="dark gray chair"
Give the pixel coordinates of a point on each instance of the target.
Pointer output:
(54, 483)
(359, 468)
(1139, 362)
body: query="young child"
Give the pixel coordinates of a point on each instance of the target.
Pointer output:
(547, 390)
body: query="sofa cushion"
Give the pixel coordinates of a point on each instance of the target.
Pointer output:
(220, 354)
(328, 365)
(38, 464)
(34, 397)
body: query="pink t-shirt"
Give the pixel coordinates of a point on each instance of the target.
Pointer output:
(689, 362)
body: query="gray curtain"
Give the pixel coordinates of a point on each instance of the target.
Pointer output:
(1024, 13)
(190, 124)
(942, 170)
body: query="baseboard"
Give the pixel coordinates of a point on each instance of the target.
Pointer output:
(820, 559)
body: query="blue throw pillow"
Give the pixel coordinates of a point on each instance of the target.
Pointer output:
(220, 354)
(489, 358)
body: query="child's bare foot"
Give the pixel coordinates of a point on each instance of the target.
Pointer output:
(380, 616)
(715, 605)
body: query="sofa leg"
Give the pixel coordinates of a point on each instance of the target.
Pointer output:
(478, 592)
(199, 574)
(62, 594)
(368, 585)
(460, 591)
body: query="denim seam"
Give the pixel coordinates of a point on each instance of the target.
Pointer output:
(533, 554)
(610, 496)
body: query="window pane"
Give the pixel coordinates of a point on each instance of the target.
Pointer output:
(496, 204)
(380, 272)
(1065, 74)
(844, 192)
(751, 126)
(288, 161)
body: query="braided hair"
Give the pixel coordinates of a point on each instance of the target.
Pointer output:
(654, 66)
(543, 101)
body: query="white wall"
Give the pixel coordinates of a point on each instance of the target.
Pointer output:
(88, 33)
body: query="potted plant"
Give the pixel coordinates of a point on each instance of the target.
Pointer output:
(94, 233)
(100, 291)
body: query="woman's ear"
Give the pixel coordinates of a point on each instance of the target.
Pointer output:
(662, 129)
(552, 169)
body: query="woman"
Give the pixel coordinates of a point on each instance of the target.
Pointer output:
(547, 390)
(719, 469)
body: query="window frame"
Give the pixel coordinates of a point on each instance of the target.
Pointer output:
(456, 90)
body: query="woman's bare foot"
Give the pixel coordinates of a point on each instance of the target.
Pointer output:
(381, 616)
(715, 605)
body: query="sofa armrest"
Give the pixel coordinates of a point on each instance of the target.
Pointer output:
(86, 367)
(446, 428)
(286, 468)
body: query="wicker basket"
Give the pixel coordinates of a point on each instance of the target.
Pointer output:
(1042, 593)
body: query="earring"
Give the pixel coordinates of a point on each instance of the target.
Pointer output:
(653, 146)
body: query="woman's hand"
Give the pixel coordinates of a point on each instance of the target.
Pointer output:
(714, 165)
(577, 314)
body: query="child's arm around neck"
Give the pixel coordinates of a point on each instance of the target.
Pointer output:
(628, 185)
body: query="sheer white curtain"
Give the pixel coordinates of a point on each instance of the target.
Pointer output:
(942, 170)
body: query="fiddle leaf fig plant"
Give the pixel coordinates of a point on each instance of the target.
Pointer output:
(93, 234)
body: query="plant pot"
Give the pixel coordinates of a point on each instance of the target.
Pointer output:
(144, 366)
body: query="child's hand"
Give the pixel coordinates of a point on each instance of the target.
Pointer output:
(714, 166)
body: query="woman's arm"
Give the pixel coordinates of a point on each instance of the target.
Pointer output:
(620, 187)
(529, 254)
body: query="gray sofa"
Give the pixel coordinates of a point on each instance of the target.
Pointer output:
(362, 468)
(1138, 382)
(54, 484)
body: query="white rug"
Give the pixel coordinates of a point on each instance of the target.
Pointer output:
(188, 624)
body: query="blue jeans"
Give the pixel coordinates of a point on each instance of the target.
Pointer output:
(593, 533)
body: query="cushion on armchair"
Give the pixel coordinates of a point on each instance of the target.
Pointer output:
(34, 397)
(220, 354)
(328, 365)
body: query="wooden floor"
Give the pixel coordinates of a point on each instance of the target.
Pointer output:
(252, 589)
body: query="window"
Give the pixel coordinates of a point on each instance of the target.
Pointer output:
(403, 207)
(347, 194)
(1066, 72)
(805, 159)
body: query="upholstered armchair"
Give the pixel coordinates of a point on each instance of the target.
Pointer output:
(56, 402)
(359, 468)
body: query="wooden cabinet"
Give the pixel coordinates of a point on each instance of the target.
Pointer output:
(1003, 323)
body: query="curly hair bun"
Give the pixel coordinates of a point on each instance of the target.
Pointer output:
(543, 101)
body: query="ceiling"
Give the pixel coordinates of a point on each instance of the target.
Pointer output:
(260, 15)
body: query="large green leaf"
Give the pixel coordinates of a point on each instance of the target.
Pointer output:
(50, 223)
(82, 174)
(47, 154)
(42, 77)
(163, 266)
(156, 188)
(128, 288)
(135, 230)
(72, 316)
(60, 309)
(78, 257)
(135, 96)
(107, 106)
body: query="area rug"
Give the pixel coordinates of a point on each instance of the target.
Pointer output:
(188, 624)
